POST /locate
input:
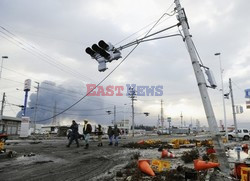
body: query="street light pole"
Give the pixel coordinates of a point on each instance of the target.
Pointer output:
(222, 92)
(35, 116)
(3, 57)
(124, 115)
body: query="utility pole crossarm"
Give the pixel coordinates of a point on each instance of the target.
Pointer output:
(144, 39)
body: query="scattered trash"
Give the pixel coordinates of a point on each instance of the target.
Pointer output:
(203, 165)
(189, 156)
(233, 154)
(167, 154)
(210, 150)
(145, 167)
(192, 175)
(140, 142)
(147, 144)
(160, 165)
(245, 148)
(1, 145)
(30, 155)
(136, 156)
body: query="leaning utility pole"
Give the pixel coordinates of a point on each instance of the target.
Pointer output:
(233, 107)
(218, 145)
(3, 102)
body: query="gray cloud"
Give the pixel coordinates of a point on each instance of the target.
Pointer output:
(64, 29)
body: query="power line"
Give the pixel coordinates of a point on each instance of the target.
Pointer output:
(92, 88)
(154, 22)
(104, 77)
(101, 114)
(8, 104)
(97, 109)
(64, 89)
(33, 49)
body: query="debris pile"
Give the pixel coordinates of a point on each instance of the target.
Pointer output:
(138, 170)
(189, 156)
(148, 144)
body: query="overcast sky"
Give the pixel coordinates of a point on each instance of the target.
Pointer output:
(46, 41)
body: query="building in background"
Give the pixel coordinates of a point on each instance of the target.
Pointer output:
(10, 125)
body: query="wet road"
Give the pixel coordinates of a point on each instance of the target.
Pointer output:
(52, 160)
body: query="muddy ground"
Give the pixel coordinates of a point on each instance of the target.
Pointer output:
(50, 159)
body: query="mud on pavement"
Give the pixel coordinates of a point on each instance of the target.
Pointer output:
(52, 160)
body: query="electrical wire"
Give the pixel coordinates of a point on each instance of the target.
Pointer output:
(42, 54)
(93, 99)
(82, 110)
(64, 90)
(197, 52)
(92, 88)
(102, 79)
(10, 106)
(154, 22)
(237, 86)
(101, 114)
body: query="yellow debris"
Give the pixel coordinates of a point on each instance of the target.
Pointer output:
(160, 165)
(245, 173)
(1, 145)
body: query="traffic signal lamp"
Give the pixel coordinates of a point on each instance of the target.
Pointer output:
(103, 53)
(100, 59)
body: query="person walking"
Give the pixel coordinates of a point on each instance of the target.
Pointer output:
(117, 132)
(74, 134)
(99, 133)
(110, 135)
(87, 129)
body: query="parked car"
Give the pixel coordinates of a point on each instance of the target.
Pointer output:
(243, 133)
(163, 132)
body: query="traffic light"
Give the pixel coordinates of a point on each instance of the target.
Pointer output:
(114, 54)
(103, 52)
(100, 59)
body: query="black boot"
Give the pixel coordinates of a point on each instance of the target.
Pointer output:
(116, 144)
(87, 146)
(110, 143)
(100, 144)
